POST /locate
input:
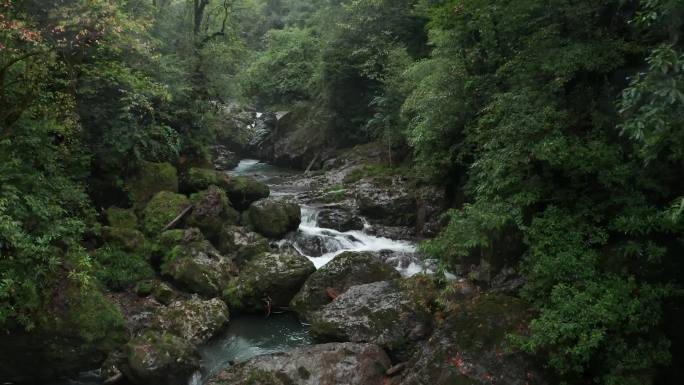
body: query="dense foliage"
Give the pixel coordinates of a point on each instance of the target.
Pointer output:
(557, 125)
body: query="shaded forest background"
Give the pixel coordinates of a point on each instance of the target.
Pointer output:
(556, 126)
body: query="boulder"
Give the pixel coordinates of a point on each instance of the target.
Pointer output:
(383, 313)
(211, 211)
(151, 179)
(155, 358)
(163, 293)
(197, 266)
(470, 347)
(198, 179)
(342, 272)
(273, 218)
(327, 364)
(162, 209)
(339, 219)
(241, 243)
(393, 205)
(122, 218)
(269, 280)
(243, 190)
(194, 320)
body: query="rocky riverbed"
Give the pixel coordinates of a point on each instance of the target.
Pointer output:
(283, 277)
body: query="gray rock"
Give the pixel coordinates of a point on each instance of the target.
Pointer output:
(194, 320)
(273, 218)
(155, 358)
(393, 205)
(471, 347)
(269, 280)
(327, 364)
(342, 272)
(197, 266)
(241, 243)
(339, 219)
(211, 211)
(381, 312)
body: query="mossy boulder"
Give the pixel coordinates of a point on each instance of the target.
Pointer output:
(211, 210)
(243, 190)
(196, 266)
(471, 346)
(155, 358)
(342, 272)
(150, 180)
(128, 239)
(241, 243)
(273, 218)
(162, 209)
(326, 364)
(163, 293)
(269, 280)
(194, 320)
(383, 313)
(122, 218)
(75, 333)
(199, 179)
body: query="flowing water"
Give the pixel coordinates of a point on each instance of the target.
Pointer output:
(252, 335)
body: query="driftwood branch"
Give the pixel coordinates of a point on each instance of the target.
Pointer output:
(178, 219)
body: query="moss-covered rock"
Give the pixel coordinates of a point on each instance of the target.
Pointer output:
(211, 211)
(162, 209)
(163, 293)
(198, 179)
(381, 312)
(128, 239)
(151, 179)
(342, 272)
(471, 346)
(155, 358)
(122, 218)
(195, 265)
(273, 218)
(241, 243)
(76, 332)
(194, 320)
(243, 190)
(269, 280)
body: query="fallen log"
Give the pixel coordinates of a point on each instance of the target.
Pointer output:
(179, 218)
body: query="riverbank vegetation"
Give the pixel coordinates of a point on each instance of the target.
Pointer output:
(557, 128)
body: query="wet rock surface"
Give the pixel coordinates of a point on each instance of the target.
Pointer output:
(470, 347)
(342, 272)
(326, 364)
(268, 281)
(381, 312)
(241, 243)
(159, 359)
(194, 320)
(339, 219)
(243, 190)
(273, 218)
(196, 266)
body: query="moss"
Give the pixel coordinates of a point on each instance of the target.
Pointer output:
(119, 269)
(144, 288)
(274, 218)
(212, 210)
(162, 209)
(122, 218)
(151, 179)
(198, 179)
(127, 238)
(243, 190)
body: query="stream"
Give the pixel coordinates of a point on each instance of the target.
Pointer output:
(252, 335)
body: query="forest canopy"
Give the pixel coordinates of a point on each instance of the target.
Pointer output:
(556, 126)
